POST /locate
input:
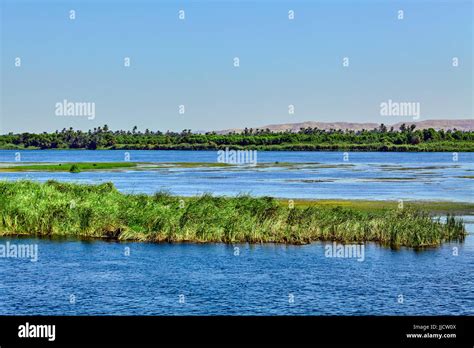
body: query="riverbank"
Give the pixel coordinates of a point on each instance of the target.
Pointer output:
(467, 146)
(55, 209)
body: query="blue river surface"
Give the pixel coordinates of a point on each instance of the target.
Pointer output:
(72, 277)
(111, 278)
(292, 175)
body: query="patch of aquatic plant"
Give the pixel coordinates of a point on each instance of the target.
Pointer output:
(185, 165)
(75, 169)
(420, 168)
(387, 179)
(310, 181)
(100, 211)
(68, 167)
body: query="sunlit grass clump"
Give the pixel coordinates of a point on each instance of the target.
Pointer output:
(100, 211)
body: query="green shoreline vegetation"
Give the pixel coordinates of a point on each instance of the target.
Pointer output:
(104, 166)
(406, 138)
(68, 167)
(55, 209)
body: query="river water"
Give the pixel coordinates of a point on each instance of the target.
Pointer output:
(78, 278)
(305, 175)
(96, 277)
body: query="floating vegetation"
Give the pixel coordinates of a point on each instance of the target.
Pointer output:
(310, 181)
(387, 179)
(419, 168)
(74, 169)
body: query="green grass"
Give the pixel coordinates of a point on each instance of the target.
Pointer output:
(55, 209)
(75, 169)
(86, 166)
(69, 167)
(434, 208)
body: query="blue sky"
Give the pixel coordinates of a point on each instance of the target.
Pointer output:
(190, 62)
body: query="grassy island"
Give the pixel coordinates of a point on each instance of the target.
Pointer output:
(55, 209)
(68, 167)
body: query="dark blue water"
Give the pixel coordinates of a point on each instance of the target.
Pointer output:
(262, 280)
(312, 175)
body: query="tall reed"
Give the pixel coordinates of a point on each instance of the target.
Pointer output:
(100, 211)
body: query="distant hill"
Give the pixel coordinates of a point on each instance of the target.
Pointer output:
(463, 125)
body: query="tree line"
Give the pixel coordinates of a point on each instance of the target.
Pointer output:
(406, 138)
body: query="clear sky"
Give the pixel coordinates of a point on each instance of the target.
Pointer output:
(190, 62)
